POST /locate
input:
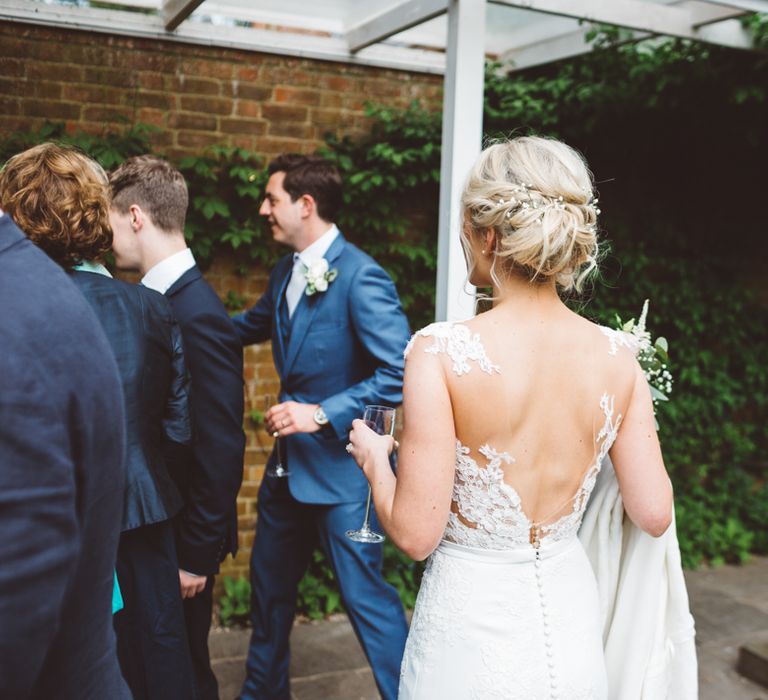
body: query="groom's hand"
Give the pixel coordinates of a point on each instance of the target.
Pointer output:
(291, 417)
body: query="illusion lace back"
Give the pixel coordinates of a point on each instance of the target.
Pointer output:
(508, 606)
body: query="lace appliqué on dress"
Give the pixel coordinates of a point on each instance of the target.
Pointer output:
(459, 344)
(435, 625)
(618, 339)
(494, 508)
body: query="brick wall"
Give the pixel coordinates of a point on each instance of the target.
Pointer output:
(197, 96)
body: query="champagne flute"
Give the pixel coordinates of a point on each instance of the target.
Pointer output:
(277, 471)
(380, 419)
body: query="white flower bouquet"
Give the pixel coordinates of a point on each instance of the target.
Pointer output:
(653, 355)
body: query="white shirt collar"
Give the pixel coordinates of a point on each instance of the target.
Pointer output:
(166, 272)
(319, 248)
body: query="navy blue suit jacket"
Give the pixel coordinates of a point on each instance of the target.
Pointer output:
(61, 484)
(209, 475)
(343, 350)
(146, 342)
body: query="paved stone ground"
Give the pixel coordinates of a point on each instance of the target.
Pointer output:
(730, 605)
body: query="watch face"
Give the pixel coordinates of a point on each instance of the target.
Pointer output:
(320, 417)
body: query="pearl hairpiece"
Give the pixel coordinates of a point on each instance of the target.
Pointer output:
(542, 203)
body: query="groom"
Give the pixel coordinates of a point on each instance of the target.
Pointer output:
(338, 334)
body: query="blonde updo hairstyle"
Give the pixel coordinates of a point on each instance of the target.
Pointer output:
(536, 194)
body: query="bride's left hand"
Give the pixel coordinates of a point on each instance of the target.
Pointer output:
(367, 447)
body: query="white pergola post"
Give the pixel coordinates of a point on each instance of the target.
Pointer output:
(462, 140)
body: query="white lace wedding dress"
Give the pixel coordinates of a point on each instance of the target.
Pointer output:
(507, 608)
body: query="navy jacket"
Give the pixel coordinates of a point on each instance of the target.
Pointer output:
(342, 348)
(61, 484)
(146, 342)
(209, 475)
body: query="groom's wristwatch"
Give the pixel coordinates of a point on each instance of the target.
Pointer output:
(320, 418)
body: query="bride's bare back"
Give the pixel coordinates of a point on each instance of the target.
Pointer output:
(543, 403)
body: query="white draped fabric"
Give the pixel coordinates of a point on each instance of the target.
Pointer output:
(648, 630)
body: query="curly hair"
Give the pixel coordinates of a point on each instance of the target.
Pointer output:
(59, 197)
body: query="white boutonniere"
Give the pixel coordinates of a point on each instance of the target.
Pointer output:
(318, 277)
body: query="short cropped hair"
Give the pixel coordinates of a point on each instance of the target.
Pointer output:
(314, 176)
(59, 197)
(156, 186)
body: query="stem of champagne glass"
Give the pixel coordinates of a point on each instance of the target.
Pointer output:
(365, 526)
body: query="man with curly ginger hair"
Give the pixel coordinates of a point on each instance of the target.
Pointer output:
(149, 204)
(61, 482)
(61, 196)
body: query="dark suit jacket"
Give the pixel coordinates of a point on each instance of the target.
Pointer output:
(61, 484)
(210, 474)
(343, 348)
(146, 342)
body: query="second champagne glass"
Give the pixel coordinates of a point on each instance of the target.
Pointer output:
(380, 419)
(277, 470)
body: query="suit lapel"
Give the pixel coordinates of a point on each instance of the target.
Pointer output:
(307, 308)
(279, 335)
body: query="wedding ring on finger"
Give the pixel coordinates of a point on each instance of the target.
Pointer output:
(348, 448)
(276, 434)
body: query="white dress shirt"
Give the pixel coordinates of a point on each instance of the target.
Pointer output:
(301, 263)
(166, 272)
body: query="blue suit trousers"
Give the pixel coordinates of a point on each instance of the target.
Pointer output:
(286, 534)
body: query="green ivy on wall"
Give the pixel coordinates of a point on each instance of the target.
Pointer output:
(675, 133)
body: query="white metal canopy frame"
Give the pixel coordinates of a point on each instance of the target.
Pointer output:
(450, 37)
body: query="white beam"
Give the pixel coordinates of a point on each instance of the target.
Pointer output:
(174, 12)
(746, 5)
(544, 51)
(642, 16)
(397, 19)
(322, 48)
(462, 140)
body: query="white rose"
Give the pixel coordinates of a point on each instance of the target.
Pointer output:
(318, 268)
(321, 284)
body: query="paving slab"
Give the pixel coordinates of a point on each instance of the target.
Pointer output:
(729, 603)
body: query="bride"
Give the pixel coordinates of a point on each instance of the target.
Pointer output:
(507, 420)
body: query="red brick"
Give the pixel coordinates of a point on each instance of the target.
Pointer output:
(243, 126)
(330, 117)
(197, 139)
(197, 86)
(207, 105)
(207, 69)
(108, 76)
(8, 123)
(331, 99)
(285, 113)
(247, 91)
(63, 72)
(155, 117)
(158, 100)
(146, 61)
(248, 73)
(107, 114)
(184, 120)
(98, 94)
(11, 68)
(151, 81)
(297, 96)
(292, 130)
(51, 109)
(247, 108)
